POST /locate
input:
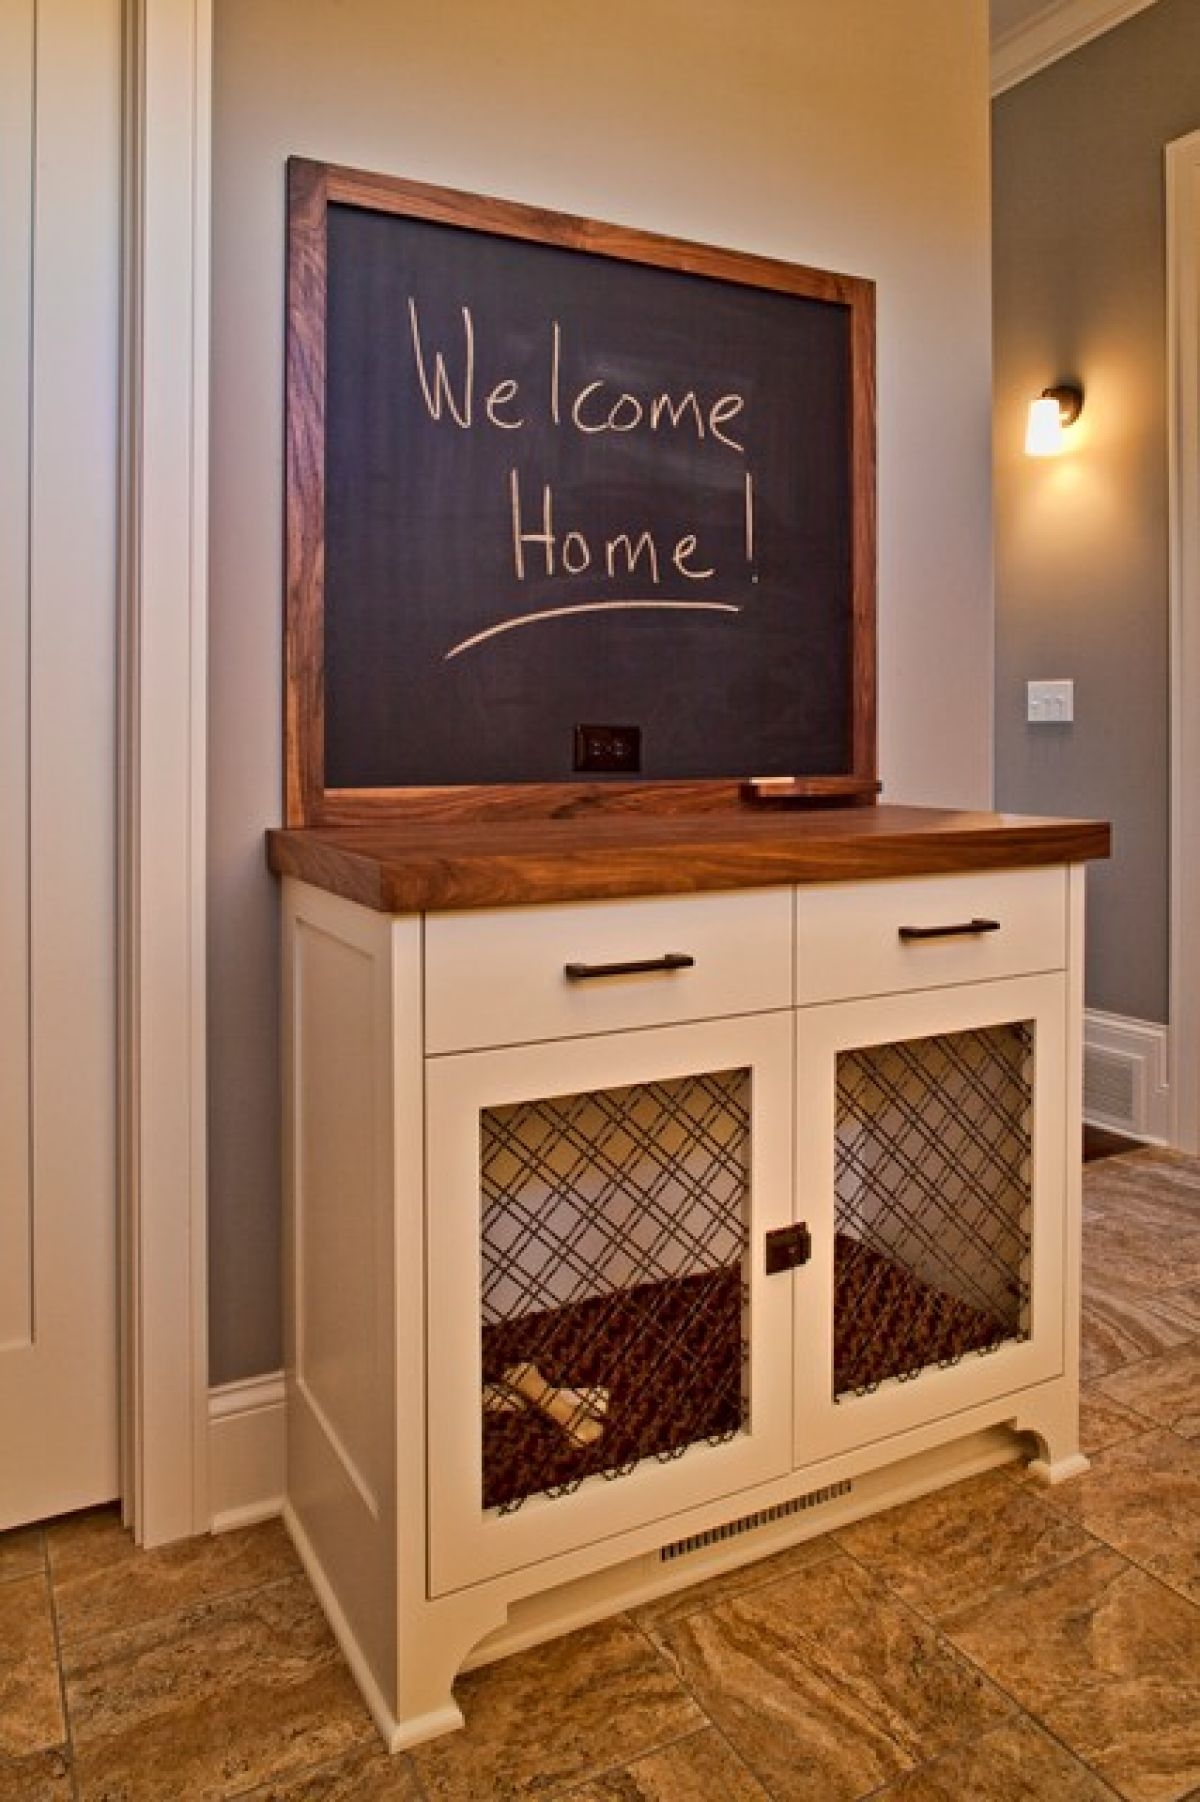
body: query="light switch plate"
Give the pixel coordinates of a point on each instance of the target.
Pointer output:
(1050, 703)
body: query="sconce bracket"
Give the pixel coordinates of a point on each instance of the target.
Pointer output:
(1069, 398)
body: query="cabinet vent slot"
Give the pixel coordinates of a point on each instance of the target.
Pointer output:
(696, 1542)
(1108, 1087)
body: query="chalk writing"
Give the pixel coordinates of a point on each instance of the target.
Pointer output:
(457, 397)
(620, 554)
(593, 408)
(545, 613)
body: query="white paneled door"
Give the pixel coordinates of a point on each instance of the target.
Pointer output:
(60, 200)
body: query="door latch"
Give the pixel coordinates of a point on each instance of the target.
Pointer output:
(787, 1247)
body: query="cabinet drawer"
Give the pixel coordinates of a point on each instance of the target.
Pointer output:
(879, 938)
(500, 977)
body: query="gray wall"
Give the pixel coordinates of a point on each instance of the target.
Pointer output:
(851, 136)
(1081, 541)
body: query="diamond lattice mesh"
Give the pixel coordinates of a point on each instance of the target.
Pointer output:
(932, 1185)
(613, 1240)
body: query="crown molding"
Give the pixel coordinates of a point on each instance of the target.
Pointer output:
(1054, 31)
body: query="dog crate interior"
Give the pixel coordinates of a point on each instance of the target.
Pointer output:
(614, 1245)
(932, 1202)
(615, 1241)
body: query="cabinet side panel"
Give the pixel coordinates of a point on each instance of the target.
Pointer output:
(339, 1276)
(339, 1298)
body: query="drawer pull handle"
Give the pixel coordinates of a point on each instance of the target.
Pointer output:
(964, 929)
(673, 960)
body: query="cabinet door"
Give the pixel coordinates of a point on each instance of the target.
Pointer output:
(931, 1145)
(604, 1347)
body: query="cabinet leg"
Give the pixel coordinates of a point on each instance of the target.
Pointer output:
(414, 1702)
(435, 1639)
(1059, 1470)
(1055, 1426)
(414, 1725)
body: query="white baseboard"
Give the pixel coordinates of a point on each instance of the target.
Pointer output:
(246, 1451)
(1126, 1076)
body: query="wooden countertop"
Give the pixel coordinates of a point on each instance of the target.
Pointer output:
(416, 867)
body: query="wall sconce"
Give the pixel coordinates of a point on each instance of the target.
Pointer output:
(1056, 408)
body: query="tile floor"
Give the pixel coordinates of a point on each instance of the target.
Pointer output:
(994, 1642)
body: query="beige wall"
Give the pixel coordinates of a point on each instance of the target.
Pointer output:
(1081, 542)
(852, 136)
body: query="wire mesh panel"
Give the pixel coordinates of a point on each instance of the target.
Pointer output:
(933, 1194)
(614, 1236)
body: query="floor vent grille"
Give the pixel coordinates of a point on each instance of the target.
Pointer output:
(1108, 1087)
(696, 1542)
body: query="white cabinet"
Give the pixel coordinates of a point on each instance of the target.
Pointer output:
(632, 1239)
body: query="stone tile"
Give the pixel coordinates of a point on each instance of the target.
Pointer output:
(653, 1616)
(1109, 1661)
(1104, 1422)
(89, 1540)
(547, 1719)
(1170, 1159)
(368, 1774)
(1143, 1498)
(1133, 1205)
(40, 1777)
(1121, 1325)
(963, 1544)
(228, 1695)
(1179, 1308)
(1015, 1763)
(827, 1686)
(31, 1716)
(102, 1582)
(22, 1552)
(1153, 1184)
(699, 1769)
(1128, 1247)
(1166, 1388)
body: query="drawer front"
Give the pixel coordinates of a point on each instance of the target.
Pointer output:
(880, 938)
(500, 977)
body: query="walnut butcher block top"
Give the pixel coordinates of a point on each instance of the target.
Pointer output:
(399, 867)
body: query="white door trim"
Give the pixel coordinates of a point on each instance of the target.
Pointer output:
(18, 70)
(1183, 379)
(60, 151)
(168, 108)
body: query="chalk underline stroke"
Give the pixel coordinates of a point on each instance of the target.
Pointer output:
(533, 619)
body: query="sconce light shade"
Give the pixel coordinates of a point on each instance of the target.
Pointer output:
(1044, 433)
(1054, 409)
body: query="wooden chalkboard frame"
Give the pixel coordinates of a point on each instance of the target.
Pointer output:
(312, 187)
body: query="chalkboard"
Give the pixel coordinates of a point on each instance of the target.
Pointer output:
(545, 474)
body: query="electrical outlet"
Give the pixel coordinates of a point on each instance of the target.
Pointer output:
(609, 748)
(1050, 703)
